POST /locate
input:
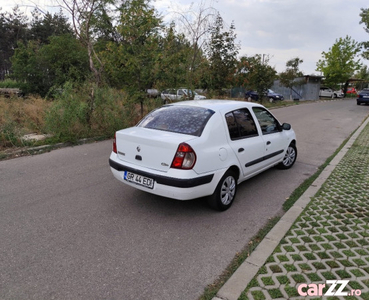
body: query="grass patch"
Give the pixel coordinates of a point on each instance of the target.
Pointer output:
(275, 293)
(314, 277)
(258, 295)
(283, 279)
(291, 291)
(319, 265)
(20, 116)
(267, 281)
(275, 269)
(296, 257)
(305, 267)
(298, 278)
(329, 275)
(290, 267)
(332, 264)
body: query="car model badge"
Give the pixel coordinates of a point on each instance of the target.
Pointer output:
(138, 148)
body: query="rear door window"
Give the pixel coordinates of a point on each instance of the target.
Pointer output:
(241, 124)
(179, 119)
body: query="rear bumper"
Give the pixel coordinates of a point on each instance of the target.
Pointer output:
(362, 100)
(164, 180)
(166, 186)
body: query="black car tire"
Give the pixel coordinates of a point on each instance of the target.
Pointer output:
(225, 192)
(289, 158)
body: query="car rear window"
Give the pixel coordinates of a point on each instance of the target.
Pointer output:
(179, 119)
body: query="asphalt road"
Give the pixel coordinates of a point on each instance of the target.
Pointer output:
(69, 230)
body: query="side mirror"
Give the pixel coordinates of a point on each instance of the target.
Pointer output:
(286, 126)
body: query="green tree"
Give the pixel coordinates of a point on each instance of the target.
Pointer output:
(339, 64)
(222, 55)
(365, 20)
(197, 22)
(28, 67)
(288, 77)
(44, 26)
(130, 63)
(362, 74)
(171, 66)
(66, 59)
(85, 17)
(42, 67)
(13, 28)
(255, 73)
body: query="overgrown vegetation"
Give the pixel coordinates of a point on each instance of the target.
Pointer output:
(9, 84)
(20, 116)
(70, 116)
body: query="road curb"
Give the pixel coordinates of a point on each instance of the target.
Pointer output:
(44, 148)
(238, 282)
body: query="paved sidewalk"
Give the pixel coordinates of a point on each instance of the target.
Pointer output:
(324, 236)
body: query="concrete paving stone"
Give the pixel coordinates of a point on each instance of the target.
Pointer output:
(292, 214)
(279, 231)
(262, 252)
(233, 288)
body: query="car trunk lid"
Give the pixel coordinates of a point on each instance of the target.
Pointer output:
(150, 148)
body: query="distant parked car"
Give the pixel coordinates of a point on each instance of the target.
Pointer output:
(363, 97)
(193, 149)
(153, 93)
(351, 90)
(272, 96)
(172, 95)
(326, 92)
(339, 94)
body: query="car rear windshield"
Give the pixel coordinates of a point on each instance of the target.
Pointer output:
(180, 119)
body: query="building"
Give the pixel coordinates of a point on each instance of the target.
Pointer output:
(306, 88)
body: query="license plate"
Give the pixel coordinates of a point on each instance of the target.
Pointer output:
(139, 179)
(365, 96)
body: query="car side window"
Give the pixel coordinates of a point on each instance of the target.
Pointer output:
(240, 124)
(266, 120)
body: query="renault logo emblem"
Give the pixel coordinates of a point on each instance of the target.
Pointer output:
(138, 148)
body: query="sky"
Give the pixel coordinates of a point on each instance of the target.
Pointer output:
(280, 29)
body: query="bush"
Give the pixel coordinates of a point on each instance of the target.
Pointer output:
(88, 111)
(10, 84)
(76, 112)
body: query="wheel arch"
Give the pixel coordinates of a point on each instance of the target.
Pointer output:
(235, 169)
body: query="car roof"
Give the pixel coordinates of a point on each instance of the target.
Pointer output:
(217, 104)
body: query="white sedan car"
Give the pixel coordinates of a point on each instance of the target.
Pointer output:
(173, 95)
(327, 92)
(193, 149)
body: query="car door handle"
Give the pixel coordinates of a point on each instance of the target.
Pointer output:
(269, 142)
(241, 150)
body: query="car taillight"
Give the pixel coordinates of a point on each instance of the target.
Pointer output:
(185, 157)
(115, 143)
